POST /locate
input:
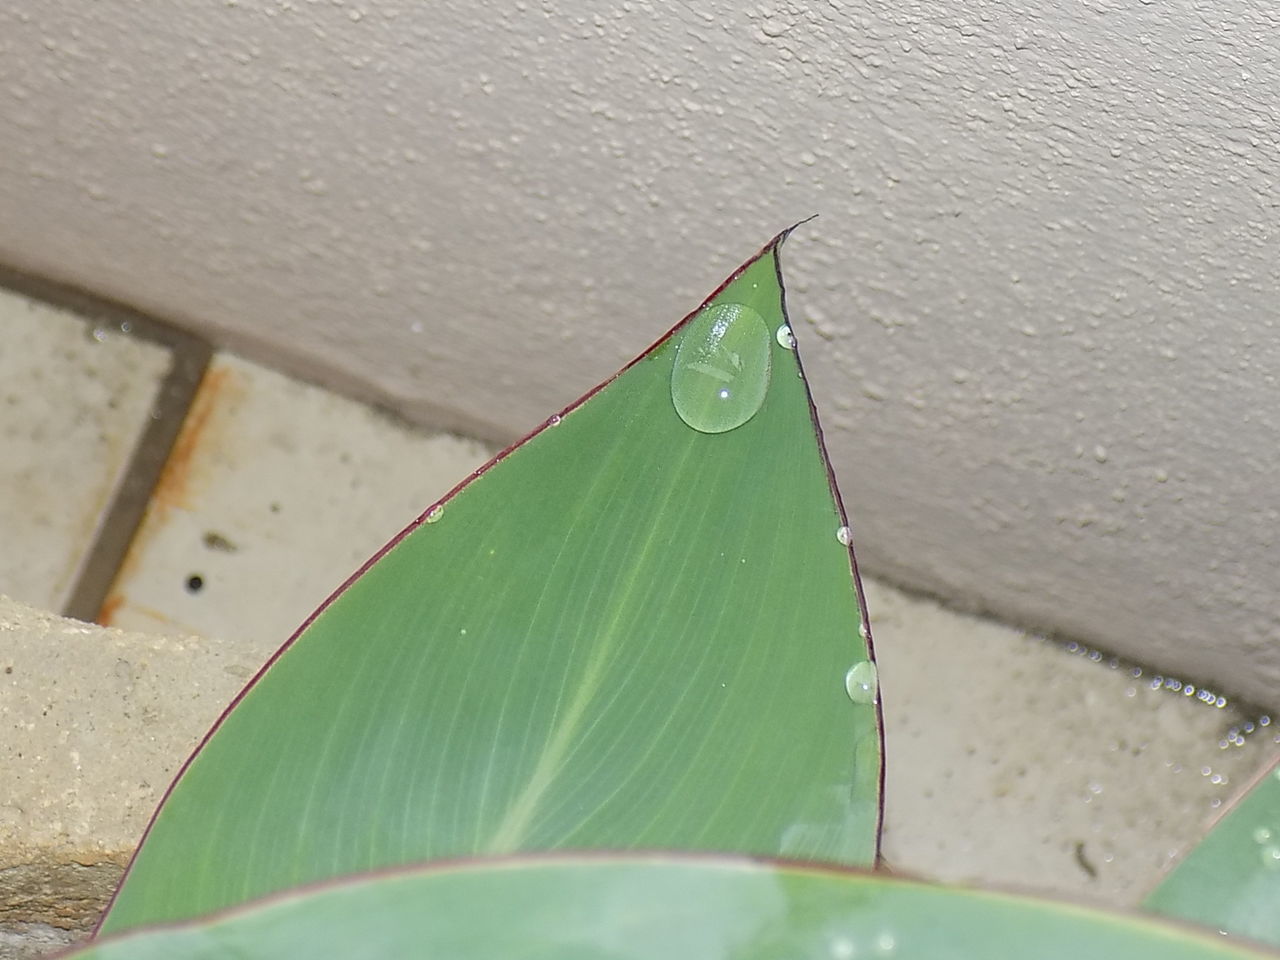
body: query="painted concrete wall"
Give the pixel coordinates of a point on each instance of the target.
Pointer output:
(1038, 306)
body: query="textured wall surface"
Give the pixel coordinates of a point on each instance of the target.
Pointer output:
(1038, 306)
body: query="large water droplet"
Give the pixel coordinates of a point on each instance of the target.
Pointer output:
(845, 536)
(786, 339)
(721, 370)
(862, 683)
(435, 513)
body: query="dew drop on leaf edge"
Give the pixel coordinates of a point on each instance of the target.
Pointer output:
(721, 370)
(862, 682)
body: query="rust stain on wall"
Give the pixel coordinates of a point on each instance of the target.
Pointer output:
(180, 481)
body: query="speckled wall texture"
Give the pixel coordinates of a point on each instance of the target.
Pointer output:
(1038, 306)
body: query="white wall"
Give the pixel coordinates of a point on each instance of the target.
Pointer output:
(1040, 297)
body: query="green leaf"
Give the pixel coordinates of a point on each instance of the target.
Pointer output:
(663, 908)
(1231, 879)
(625, 632)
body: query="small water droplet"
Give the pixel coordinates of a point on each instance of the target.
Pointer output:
(862, 683)
(842, 948)
(1262, 835)
(786, 339)
(845, 536)
(1271, 856)
(99, 334)
(435, 513)
(886, 943)
(554, 421)
(721, 370)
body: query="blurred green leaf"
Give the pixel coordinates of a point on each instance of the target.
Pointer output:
(1231, 879)
(663, 908)
(631, 630)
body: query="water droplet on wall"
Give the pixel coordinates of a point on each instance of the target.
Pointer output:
(721, 370)
(862, 682)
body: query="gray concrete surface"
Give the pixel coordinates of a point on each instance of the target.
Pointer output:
(31, 941)
(74, 398)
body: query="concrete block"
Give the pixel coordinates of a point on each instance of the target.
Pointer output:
(94, 724)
